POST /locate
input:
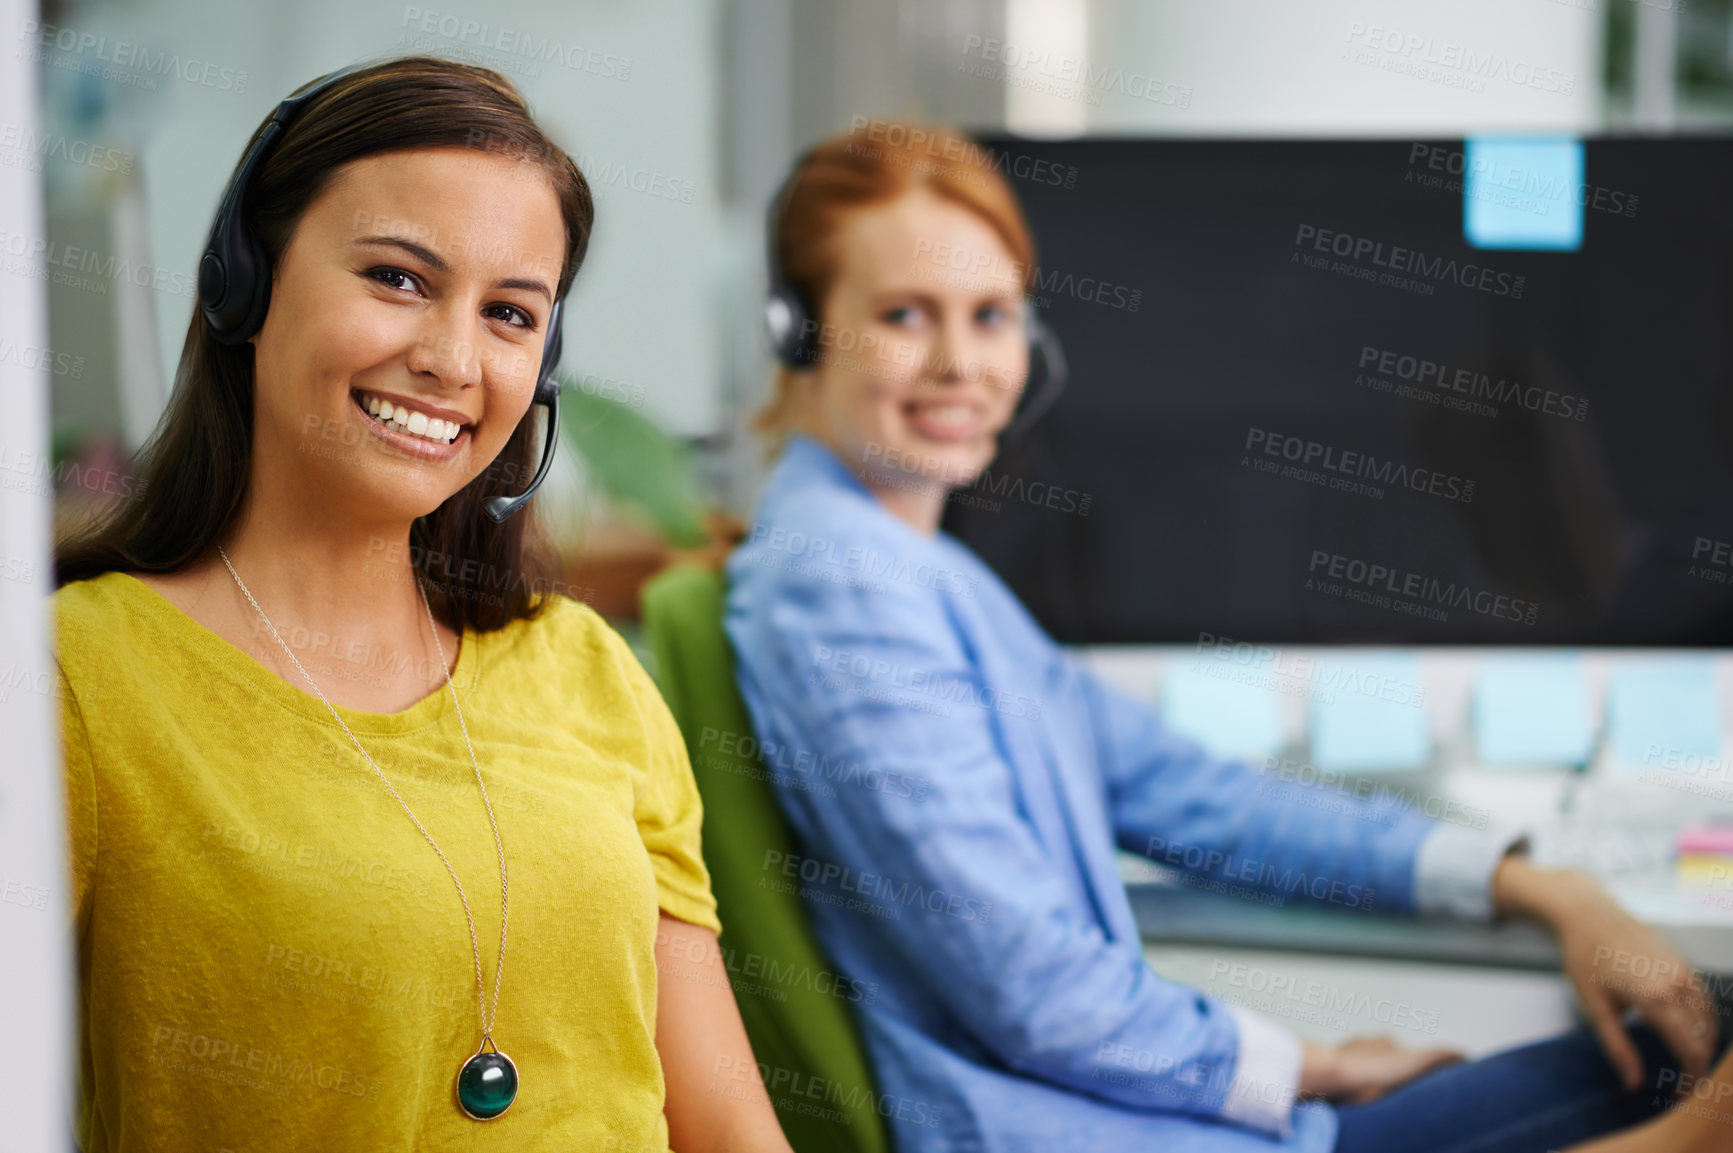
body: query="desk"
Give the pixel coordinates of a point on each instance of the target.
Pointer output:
(1330, 974)
(1177, 915)
(1616, 827)
(1473, 987)
(1169, 914)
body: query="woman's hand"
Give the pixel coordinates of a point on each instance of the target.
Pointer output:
(1363, 1069)
(1615, 963)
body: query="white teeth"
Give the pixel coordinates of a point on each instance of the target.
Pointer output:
(416, 423)
(949, 414)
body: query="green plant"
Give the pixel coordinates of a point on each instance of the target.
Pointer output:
(632, 460)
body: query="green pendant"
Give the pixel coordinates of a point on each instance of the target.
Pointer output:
(487, 1084)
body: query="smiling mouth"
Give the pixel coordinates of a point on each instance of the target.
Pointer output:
(943, 421)
(406, 419)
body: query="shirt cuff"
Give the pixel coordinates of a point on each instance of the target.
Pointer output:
(1266, 1075)
(1453, 869)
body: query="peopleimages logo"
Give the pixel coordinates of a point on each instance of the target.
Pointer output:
(1313, 454)
(866, 673)
(1070, 77)
(1398, 582)
(979, 266)
(1447, 57)
(1500, 183)
(866, 562)
(877, 887)
(1711, 561)
(1408, 261)
(1471, 385)
(1229, 866)
(38, 257)
(935, 474)
(1299, 674)
(124, 54)
(26, 147)
(968, 156)
(516, 46)
(1281, 995)
(775, 756)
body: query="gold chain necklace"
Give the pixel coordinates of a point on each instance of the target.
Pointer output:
(487, 1083)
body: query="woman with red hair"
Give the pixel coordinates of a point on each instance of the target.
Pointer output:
(969, 870)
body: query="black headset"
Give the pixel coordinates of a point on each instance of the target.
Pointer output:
(235, 283)
(793, 327)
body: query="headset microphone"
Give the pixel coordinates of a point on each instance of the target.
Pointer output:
(235, 284)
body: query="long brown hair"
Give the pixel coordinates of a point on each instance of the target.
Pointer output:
(874, 162)
(194, 470)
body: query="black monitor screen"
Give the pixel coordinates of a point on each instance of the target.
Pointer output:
(1302, 408)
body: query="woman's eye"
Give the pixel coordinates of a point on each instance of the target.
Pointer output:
(390, 277)
(508, 311)
(992, 315)
(903, 316)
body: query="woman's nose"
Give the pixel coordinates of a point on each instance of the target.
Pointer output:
(946, 356)
(446, 346)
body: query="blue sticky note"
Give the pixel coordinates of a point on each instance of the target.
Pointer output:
(1228, 718)
(1368, 713)
(1533, 710)
(1657, 709)
(1523, 194)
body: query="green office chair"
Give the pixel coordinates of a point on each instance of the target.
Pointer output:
(797, 1016)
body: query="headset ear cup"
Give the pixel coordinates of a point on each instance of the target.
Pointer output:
(1053, 365)
(1047, 377)
(789, 319)
(234, 287)
(234, 273)
(223, 282)
(213, 287)
(789, 326)
(1039, 372)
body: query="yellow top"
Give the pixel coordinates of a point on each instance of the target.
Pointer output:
(270, 955)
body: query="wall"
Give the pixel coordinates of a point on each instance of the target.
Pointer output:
(36, 1020)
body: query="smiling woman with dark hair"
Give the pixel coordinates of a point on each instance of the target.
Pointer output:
(328, 736)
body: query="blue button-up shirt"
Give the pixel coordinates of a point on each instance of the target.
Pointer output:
(957, 784)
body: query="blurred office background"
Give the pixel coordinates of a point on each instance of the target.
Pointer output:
(685, 115)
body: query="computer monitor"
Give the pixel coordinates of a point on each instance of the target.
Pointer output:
(1303, 408)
